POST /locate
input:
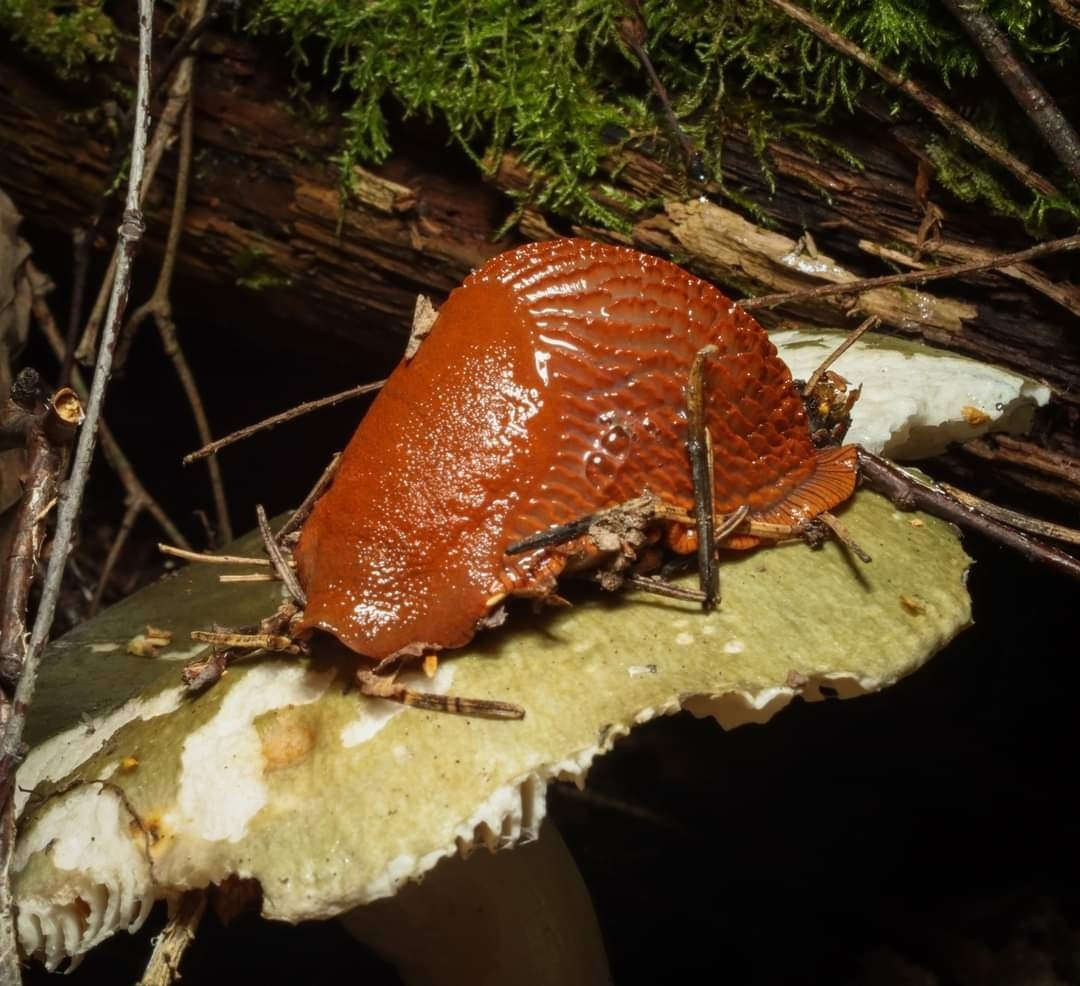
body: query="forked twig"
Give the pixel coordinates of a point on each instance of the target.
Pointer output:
(277, 419)
(909, 493)
(950, 118)
(914, 277)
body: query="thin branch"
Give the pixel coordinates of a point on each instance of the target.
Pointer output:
(83, 239)
(1068, 11)
(159, 306)
(278, 561)
(305, 508)
(1033, 525)
(634, 34)
(42, 476)
(187, 555)
(951, 119)
(853, 337)
(114, 455)
(267, 423)
(1029, 92)
(163, 969)
(909, 493)
(134, 508)
(914, 277)
(150, 157)
(129, 233)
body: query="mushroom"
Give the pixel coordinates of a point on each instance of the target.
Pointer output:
(136, 792)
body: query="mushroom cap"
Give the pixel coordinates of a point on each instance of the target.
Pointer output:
(330, 799)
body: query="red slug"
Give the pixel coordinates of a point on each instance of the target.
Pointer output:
(552, 384)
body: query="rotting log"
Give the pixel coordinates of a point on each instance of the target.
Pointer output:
(266, 223)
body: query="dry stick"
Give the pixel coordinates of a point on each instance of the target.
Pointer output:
(159, 305)
(114, 455)
(853, 337)
(909, 493)
(634, 33)
(1033, 525)
(951, 119)
(151, 157)
(129, 233)
(42, 475)
(187, 555)
(45, 462)
(131, 514)
(83, 239)
(843, 535)
(278, 561)
(699, 447)
(1028, 91)
(305, 508)
(1068, 11)
(163, 969)
(277, 419)
(914, 277)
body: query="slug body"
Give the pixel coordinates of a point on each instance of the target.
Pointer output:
(552, 384)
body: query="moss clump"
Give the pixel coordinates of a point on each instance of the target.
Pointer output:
(67, 35)
(553, 80)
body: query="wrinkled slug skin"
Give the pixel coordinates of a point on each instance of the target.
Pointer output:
(553, 383)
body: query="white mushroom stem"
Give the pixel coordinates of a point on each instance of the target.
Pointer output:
(523, 917)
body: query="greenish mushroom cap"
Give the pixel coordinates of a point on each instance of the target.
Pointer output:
(329, 799)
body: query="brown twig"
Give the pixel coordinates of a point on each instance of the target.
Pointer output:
(305, 508)
(131, 514)
(84, 238)
(853, 337)
(45, 446)
(188, 555)
(951, 119)
(635, 35)
(151, 157)
(129, 233)
(1033, 525)
(1029, 92)
(114, 455)
(914, 277)
(910, 494)
(1068, 11)
(159, 306)
(163, 969)
(277, 419)
(278, 561)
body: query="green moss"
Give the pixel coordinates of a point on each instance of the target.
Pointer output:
(68, 35)
(253, 273)
(553, 81)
